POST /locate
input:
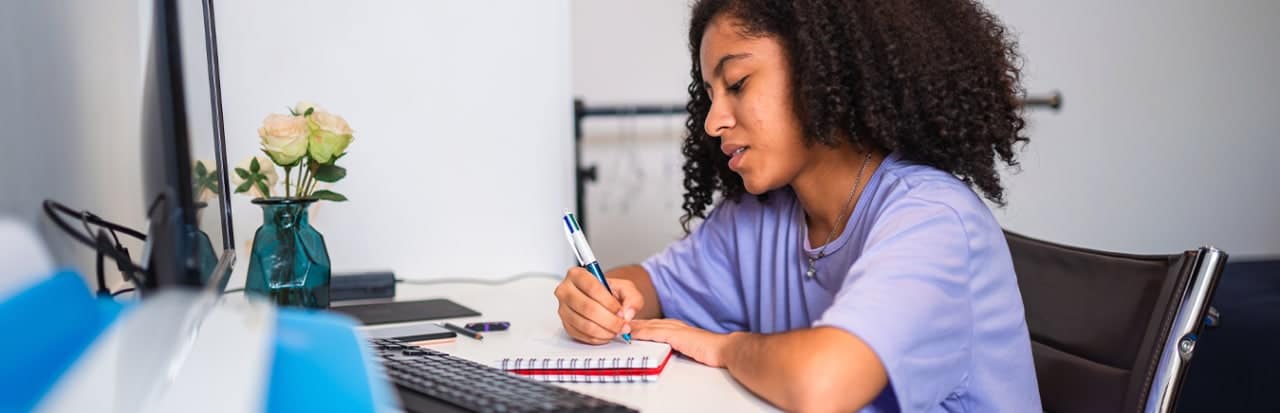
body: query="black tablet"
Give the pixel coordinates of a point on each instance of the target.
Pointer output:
(404, 311)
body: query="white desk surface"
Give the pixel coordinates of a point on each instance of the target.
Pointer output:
(530, 306)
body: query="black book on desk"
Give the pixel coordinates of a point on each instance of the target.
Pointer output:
(383, 285)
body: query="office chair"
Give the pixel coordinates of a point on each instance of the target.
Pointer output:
(1112, 332)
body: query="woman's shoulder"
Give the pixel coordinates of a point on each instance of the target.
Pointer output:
(906, 183)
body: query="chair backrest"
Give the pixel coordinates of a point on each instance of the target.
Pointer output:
(1106, 328)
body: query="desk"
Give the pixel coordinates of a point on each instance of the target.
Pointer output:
(530, 306)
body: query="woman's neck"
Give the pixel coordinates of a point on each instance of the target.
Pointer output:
(823, 187)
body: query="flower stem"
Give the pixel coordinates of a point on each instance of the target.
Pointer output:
(308, 177)
(311, 186)
(302, 186)
(296, 187)
(287, 169)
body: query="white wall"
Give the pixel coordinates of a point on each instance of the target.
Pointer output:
(462, 158)
(1166, 140)
(70, 90)
(1168, 137)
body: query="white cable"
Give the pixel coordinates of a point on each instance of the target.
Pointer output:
(459, 280)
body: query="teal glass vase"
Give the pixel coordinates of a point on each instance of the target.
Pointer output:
(289, 263)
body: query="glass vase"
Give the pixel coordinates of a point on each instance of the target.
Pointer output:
(289, 263)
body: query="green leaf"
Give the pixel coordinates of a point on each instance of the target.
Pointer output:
(327, 195)
(309, 110)
(291, 112)
(262, 187)
(201, 171)
(242, 173)
(330, 173)
(244, 187)
(209, 182)
(253, 165)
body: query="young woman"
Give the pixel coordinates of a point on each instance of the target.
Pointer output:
(850, 263)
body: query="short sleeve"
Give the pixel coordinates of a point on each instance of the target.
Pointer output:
(696, 277)
(907, 298)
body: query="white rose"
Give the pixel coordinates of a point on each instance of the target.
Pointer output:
(330, 136)
(284, 137)
(264, 167)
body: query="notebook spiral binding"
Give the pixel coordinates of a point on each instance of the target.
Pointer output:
(557, 367)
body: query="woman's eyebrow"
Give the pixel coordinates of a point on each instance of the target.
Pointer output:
(725, 59)
(719, 69)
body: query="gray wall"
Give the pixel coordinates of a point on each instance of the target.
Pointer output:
(69, 114)
(1166, 140)
(462, 150)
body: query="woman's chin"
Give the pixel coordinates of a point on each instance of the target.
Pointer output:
(755, 186)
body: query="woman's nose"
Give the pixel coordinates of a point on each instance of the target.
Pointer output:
(719, 119)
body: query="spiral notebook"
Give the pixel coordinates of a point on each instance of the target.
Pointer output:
(558, 358)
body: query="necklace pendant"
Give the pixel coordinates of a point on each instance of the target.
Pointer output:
(810, 273)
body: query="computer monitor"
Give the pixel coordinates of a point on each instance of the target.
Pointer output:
(178, 191)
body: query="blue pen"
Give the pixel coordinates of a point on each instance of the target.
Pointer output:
(581, 250)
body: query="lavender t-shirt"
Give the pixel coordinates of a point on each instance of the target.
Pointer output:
(921, 273)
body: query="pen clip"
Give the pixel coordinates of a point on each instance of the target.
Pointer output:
(573, 245)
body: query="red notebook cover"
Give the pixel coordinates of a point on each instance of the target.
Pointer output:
(652, 371)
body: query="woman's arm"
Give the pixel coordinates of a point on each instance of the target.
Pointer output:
(812, 369)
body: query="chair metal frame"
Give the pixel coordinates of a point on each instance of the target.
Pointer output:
(1193, 313)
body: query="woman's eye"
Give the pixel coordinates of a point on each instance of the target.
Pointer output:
(737, 87)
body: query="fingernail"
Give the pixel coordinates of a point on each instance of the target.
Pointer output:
(626, 329)
(629, 314)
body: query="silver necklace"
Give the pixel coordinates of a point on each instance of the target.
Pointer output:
(822, 253)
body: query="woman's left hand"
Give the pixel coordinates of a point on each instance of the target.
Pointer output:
(701, 345)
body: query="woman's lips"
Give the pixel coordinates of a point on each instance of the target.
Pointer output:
(735, 158)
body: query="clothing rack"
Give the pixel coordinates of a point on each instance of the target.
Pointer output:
(588, 173)
(584, 174)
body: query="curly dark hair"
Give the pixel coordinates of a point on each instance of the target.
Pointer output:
(935, 80)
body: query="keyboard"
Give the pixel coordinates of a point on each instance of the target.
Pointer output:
(429, 380)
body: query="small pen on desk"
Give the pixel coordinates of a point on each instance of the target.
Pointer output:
(454, 328)
(486, 326)
(586, 258)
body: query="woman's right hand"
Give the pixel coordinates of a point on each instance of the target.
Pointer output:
(589, 313)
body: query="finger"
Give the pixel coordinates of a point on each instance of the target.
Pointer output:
(595, 313)
(631, 299)
(562, 289)
(651, 330)
(570, 294)
(589, 285)
(567, 320)
(651, 334)
(587, 326)
(580, 336)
